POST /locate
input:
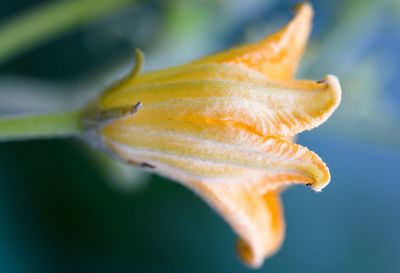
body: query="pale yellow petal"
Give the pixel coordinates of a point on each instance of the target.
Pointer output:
(241, 155)
(273, 108)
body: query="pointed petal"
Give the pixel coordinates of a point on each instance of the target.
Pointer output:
(234, 154)
(256, 218)
(276, 56)
(268, 108)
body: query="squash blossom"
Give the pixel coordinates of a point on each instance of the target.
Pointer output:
(222, 126)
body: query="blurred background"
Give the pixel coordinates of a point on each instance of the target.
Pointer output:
(67, 208)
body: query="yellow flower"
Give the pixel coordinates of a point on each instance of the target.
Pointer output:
(222, 126)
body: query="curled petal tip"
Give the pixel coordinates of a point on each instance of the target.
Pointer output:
(246, 254)
(305, 7)
(334, 90)
(333, 82)
(317, 186)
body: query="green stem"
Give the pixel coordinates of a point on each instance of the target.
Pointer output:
(41, 126)
(38, 25)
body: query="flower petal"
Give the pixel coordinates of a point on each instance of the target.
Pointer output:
(222, 126)
(276, 56)
(256, 218)
(267, 108)
(240, 183)
(234, 154)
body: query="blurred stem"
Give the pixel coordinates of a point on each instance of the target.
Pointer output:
(41, 126)
(36, 26)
